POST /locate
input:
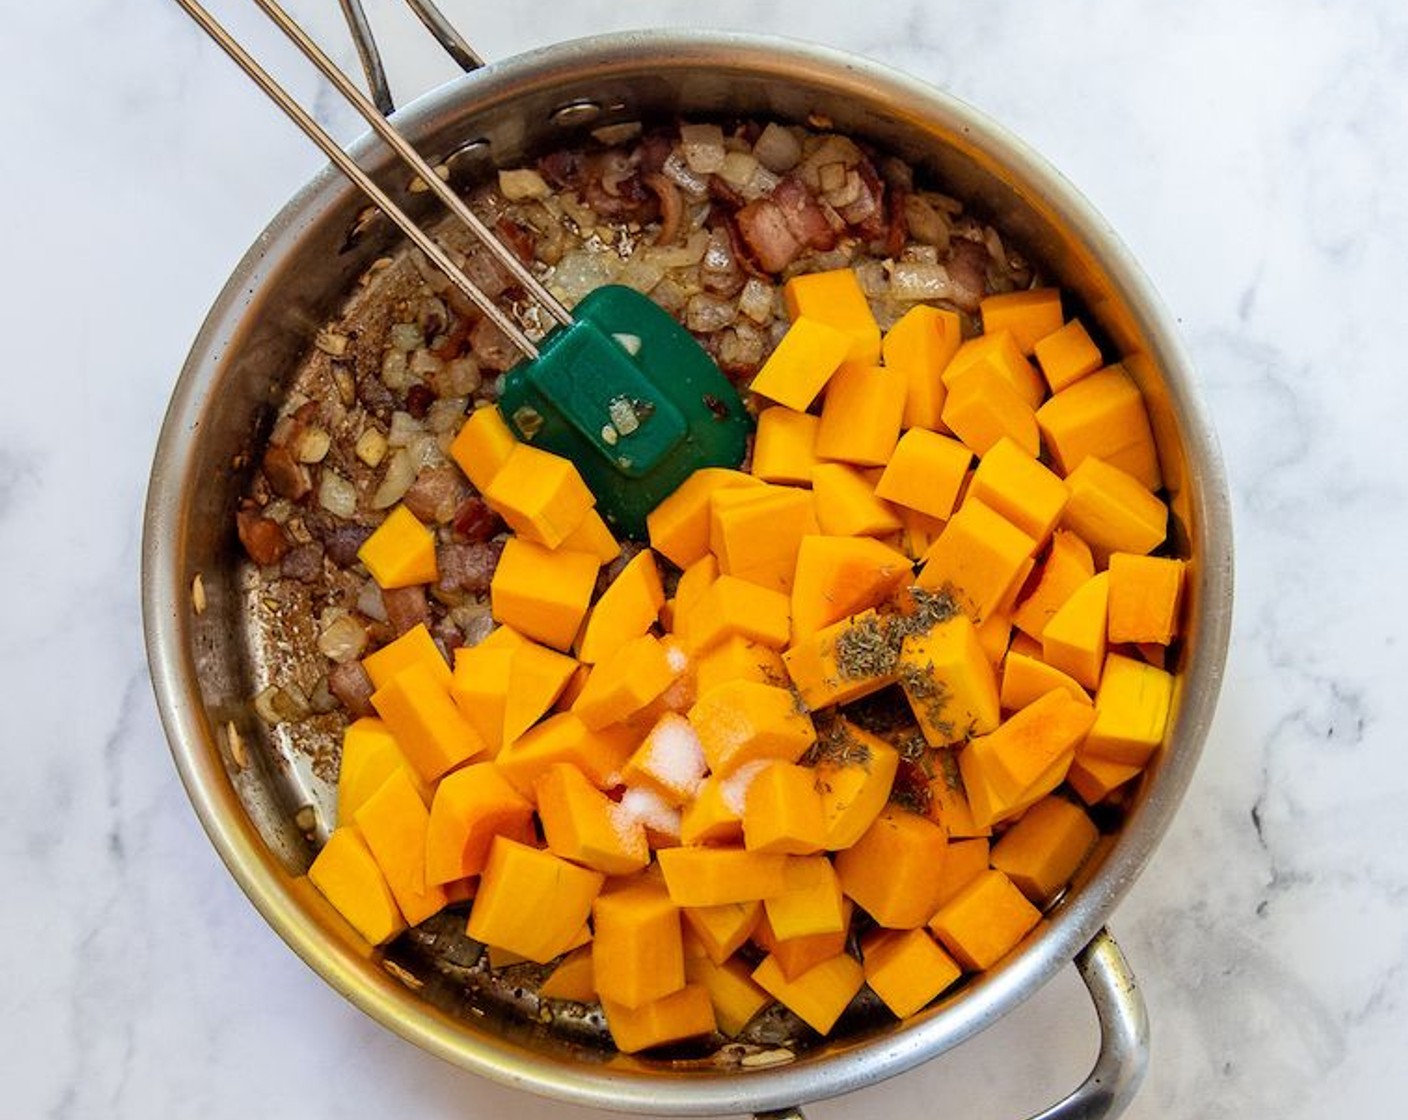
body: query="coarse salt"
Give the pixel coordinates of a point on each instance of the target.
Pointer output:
(673, 756)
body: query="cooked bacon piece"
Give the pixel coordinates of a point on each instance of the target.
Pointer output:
(263, 538)
(436, 494)
(968, 272)
(804, 214)
(352, 687)
(287, 476)
(405, 607)
(671, 206)
(474, 521)
(468, 567)
(765, 230)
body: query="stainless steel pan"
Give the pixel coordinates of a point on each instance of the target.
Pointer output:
(259, 800)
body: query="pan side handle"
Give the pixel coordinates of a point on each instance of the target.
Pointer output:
(363, 38)
(1124, 1040)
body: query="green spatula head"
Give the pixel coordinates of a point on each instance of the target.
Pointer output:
(632, 399)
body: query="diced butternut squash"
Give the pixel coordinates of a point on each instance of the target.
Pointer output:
(907, 969)
(1068, 564)
(892, 872)
(826, 668)
(948, 800)
(925, 473)
(1066, 355)
(736, 606)
(919, 533)
(543, 593)
(573, 978)
(637, 952)
(834, 297)
(846, 505)
(540, 495)
(812, 903)
(401, 551)
(997, 355)
(1026, 678)
(1030, 314)
(738, 658)
(984, 921)
(796, 955)
(755, 533)
(784, 448)
(1101, 415)
(854, 779)
(676, 1017)
(1025, 758)
(979, 557)
(693, 582)
(531, 901)
(839, 576)
(585, 826)
(628, 679)
(480, 689)
(803, 362)
(347, 875)
(1074, 638)
(744, 721)
(370, 754)
(1095, 778)
(1145, 593)
(430, 729)
(679, 526)
(718, 876)
(394, 823)
(982, 407)
(819, 995)
(414, 646)
(735, 997)
(1112, 511)
(965, 861)
(1131, 711)
(537, 677)
(593, 535)
(472, 805)
(1044, 848)
(483, 446)
(919, 346)
(710, 817)
(722, 929)
(860, 418)
(782, 812)
(1017, 486)
(669, 761)
(563, 737)
(949, 682)
(626, 609)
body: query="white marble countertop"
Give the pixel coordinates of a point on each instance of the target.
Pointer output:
(1251, 155)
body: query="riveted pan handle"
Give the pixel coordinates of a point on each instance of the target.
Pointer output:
(435, 22)
(1124, 1040)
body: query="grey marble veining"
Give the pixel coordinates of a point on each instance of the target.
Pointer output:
(1252, 155)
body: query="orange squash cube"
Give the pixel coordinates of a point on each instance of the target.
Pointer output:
(585, 826)
(400, 552)
(738, 658)
(948, 800)
(483, 446)
(919, 346)
(720, 930)
(531, 902)
(1030, 314)
(755, 533)
(1094, 778)
(1066, 355)
(413, 647)
(430, 729)
(1131, 711)
(802, 363)
(979, 558)
(925, 473)
(817, 996)
(736, 606)
(676, 1017)
(543, 593)
(846, 505)
(637, 951)
(1101, 415)
(370, 754)
(735, 997)
(1145, 593)
(1018, 487)
(593, 535)
(822, 673)
(679, 526)
(949, 682)
(573, 979)
(537, 677)
(812, 904)
(782, 812)
(997, 354)
(1074, 638)
(965, 861)
(854, 780)
(839, 576)
(796, 955)
(670, 760)
(1112, 511)
(480, 686)
(982, 407)
(1068, 564)
(718, 876)
(907, 969)
(540, 495)
(984, 921)
(472, 805)
(347, 875)
(784, 448)
(394, 821)
(860, 417)
(599, 754)
(744, 721)
(710, 817)
(626, 609)
(1026, 679)
(1045, 847)
(834, 297)
(892, 872)
(623, 683)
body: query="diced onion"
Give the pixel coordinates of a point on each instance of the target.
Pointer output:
(337, 495)
(343, 638)
(913, 281)
(523, 183)
(777, 148)
(404, 428)
(703, 147)
(400, 473)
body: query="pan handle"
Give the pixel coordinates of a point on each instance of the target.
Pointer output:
(1124, 1040)
(454, 44)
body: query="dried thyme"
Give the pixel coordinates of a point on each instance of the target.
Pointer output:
(837, 744)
